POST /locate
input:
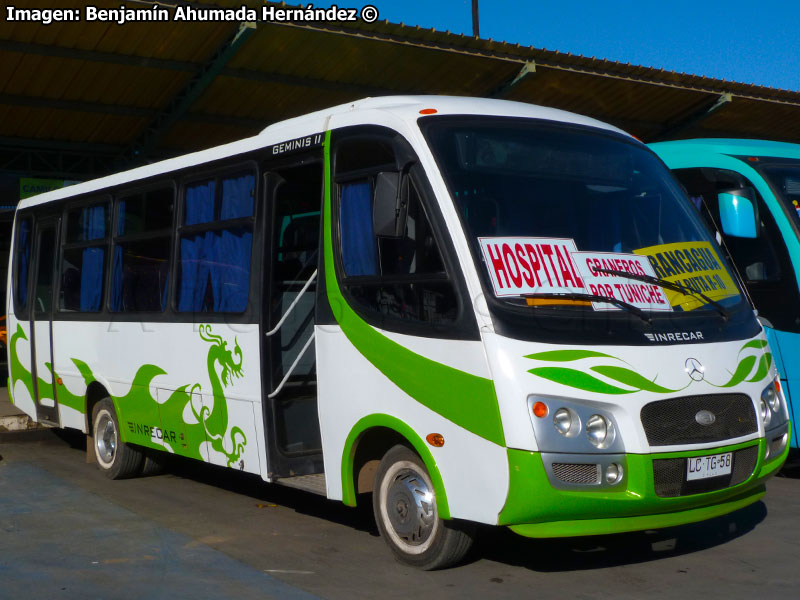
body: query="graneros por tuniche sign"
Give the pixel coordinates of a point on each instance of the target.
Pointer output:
(642, 295)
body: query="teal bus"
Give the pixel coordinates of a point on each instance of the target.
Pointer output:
(749, 192)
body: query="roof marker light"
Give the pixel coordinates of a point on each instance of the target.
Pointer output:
(428, 111)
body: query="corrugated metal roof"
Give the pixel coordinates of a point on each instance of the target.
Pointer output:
(117, 87)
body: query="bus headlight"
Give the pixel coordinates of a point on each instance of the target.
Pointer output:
(770, 396)
(566, 422)
(766, 414)
(559, 423)
(600, 431)
(772, 404)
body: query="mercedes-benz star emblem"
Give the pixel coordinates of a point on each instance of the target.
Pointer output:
(695, 369)
(705, 417)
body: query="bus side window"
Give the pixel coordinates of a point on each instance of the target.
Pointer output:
(216, 241)
(22, 263)
(84, 258)
(143, 237)
(757, 258)
(399, 277)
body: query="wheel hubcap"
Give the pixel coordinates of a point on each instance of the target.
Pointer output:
(106, 439)
(411, 507)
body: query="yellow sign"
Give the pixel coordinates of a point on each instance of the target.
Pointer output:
(695, 265)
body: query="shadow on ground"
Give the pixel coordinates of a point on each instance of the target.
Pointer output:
(493, 543)
(599, 552)
(247, 484)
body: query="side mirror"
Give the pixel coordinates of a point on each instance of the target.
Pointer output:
(738, 214)
(390, 206)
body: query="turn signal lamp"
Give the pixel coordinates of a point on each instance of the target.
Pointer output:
(435, 439)
(540, 410)
(428, 111)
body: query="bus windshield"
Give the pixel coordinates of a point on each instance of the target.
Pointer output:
(554, 210)
(785, 181)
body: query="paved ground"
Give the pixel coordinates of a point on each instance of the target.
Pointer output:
(6, 408)
(203, 532)
(12, 418)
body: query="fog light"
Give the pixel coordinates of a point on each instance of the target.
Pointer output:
(597, 429)
(613, 473)
(566, 422)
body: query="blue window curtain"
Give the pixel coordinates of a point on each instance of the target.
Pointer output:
(121, 218)
(200, 203)
(237, 197)
(194, 273)
(359, 252)
(24, 258)
(92, 279)
(94, 222)
(215, 271)
(231, 271)
(194, 255)
(215, 265)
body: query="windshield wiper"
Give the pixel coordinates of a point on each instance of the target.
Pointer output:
(596, 298)
(670, 285)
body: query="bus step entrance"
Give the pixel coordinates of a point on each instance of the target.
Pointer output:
(308, 483)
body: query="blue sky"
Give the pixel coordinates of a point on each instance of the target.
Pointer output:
(754, 41)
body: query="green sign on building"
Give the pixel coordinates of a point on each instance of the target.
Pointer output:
(30, 186)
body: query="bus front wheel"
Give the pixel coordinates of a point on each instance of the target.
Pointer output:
(404, 502)
(115, 458)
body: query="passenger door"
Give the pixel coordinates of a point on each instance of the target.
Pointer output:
(294, 195)
(45, 245)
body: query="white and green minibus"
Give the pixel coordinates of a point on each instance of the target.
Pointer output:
(479, 311)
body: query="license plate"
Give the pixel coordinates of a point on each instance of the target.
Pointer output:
(703, 467)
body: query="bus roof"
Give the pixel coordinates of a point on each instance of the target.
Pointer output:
(729, 146)
(405, 107)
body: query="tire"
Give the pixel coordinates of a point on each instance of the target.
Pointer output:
(115, 459)
(405, 509)
(152, 464)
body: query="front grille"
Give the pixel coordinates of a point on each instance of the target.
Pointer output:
(577, 473)
(669, 475)
(672, 422)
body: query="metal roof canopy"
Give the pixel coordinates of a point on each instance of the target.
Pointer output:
(84, 99)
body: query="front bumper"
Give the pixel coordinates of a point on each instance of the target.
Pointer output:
(534, 508)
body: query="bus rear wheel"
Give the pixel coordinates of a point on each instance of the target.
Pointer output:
(404, 502)
(116, 459)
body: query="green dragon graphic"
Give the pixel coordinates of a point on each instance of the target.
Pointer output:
(635, 382)
(215, 419)
(209, 422)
